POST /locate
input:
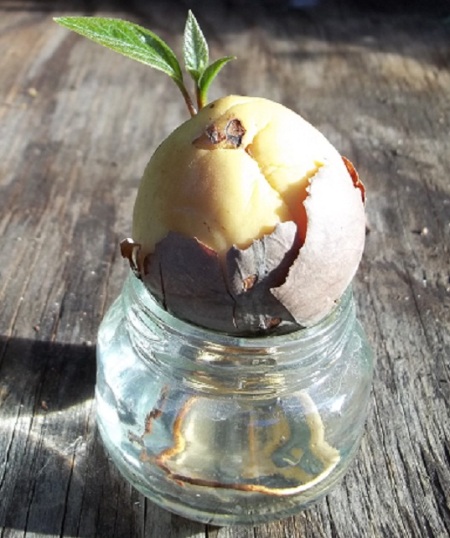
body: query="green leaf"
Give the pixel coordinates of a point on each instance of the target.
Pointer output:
(209, 75)
(128, 39)
(195, 49)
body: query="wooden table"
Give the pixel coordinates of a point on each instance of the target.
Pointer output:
(77, 125)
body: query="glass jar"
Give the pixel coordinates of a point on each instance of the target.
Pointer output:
(224, 429)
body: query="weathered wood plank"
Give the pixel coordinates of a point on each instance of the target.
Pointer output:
(77, 125)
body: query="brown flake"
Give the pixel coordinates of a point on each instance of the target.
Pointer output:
(272, 323)
(355, 177)
(215, 136)
(234, 131)
(249, 282)
(130, 250)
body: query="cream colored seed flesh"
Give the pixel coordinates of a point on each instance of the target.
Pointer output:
(231, 196)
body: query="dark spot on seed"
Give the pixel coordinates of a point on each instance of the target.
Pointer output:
(215, 136)
(234, 131)
(271, 323)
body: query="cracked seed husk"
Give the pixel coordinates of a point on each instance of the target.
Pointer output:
(248, 220)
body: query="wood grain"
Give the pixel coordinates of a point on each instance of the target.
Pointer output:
(77, 125)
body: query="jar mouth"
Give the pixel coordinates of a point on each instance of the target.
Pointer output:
(309, 337)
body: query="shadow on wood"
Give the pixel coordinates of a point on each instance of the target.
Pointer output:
(56, 478)
(53, 376)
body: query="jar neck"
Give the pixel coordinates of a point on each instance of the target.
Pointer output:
(186, 349)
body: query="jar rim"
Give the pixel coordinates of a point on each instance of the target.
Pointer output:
(327, 326)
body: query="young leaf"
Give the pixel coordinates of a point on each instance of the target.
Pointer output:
(195, 49)
(208, 75)
(128, 39)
